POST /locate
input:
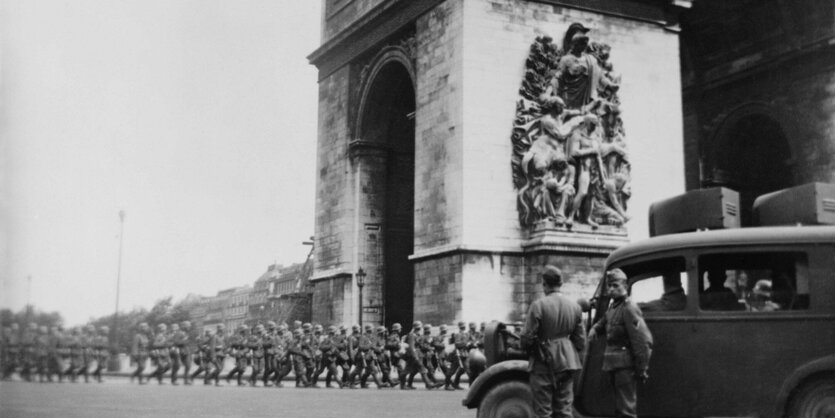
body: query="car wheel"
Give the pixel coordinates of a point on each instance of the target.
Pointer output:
(507, 400)
(815, 399)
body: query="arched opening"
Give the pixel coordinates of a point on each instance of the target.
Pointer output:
(752, 156)
(387, 118)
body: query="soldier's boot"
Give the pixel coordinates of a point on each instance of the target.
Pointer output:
(174, 370)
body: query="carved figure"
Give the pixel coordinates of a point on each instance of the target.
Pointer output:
(570, 160)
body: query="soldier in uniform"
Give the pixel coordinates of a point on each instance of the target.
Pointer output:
(140, 350)
(357, 341)
(300, 351)
(203, 355)
(219, 348)
(76, 353)
(370, 368)
(427, 351)
(382, 358)
(42, 354)
(628, 344)
(395, 349)
(64, 362)
(255, 346)
(101, 351)
(176, 347)
(328, 359)
(11, 344)
(239, 350)
(29, 360)
(458, 362)
(160, 353)
(283, 359)
(414, 358)
(555, 337)
(188, 350)
(268, 342)
(312, 340)
(353, 344)
(439, 344)
(343, 359)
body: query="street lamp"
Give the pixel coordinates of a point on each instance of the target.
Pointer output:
(360, 284)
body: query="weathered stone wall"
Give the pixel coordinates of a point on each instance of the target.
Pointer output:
(438, 296)
(438, 126)
(339, 14)
(329, 298)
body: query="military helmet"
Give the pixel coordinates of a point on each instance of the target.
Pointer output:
(104, 329)
(221, 326)
(185, 324)
(175, 326)
(162, 327)
(417, 324)
(462, 324)
(297, 332)
(307, 326)
(332, 329)
(355, 327)
(427, 328)
(243, 327)
(472, 325)
(381, 329)
(270, 324)
(369, 327)
(442, 328)
(91, 328)
(342, 328)
(317, 327)
(396, 326)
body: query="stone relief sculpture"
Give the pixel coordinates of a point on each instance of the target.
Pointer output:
(570, 162)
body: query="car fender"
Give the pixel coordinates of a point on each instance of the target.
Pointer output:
(823, 364)
(502, 371)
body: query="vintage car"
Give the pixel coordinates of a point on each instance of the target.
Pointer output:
(743, 321)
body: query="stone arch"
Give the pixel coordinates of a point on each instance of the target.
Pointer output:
(751, 153)
(385, 125)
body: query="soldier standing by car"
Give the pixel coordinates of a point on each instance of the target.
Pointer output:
(628, 344)
(554, 336)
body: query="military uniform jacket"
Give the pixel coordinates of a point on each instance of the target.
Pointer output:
(461, 341)
(42, 345)
(340, 342)
(256, 346)
(219, 344)
(100, 345)
(557, 323)
(179, 340)
(140, 345)
(628, 340)
(236, 344)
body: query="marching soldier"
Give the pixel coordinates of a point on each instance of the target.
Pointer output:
(76, 353)
(140, 350)
(237, 345)
(85, 342)
(54, 366)
(203, 355)
(255, 346)
(313, 343)
(64, 362)
(368, 358)
(300, 350)
(218, 354)
(187, 350)
(160, 353)
(383, 360)
(459, 361)
(42, 354)
(394, 347)
(101, 351)
(328, 359)
(353, 343)
(427, 351)
(28, 357)
(283, 359)
(439, 344)
(177, 347)
(343, 359)
(268, 342)
(414, 361)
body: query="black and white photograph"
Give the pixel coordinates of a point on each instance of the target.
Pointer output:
(411, 208)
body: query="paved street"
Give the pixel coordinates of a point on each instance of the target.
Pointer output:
(118, 398)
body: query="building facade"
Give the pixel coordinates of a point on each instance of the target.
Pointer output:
(422, 176)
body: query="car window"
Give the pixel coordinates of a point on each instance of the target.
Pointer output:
(754, 282)
(658, 285)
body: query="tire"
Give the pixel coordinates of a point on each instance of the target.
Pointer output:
(511, 399)
(815, 399)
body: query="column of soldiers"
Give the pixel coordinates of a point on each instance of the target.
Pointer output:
(265, 354)
(43, 354)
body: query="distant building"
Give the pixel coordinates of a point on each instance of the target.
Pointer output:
(236, 310)
(260, 311)
(215, 309)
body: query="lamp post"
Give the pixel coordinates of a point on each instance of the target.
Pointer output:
(114, 362)
(360, 284)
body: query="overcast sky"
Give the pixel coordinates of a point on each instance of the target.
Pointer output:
(195, 117)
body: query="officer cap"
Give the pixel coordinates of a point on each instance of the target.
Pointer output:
(332, 329)
(552, 276)
(270, 324)
(615, 275)
(381, 330)
(396, 326)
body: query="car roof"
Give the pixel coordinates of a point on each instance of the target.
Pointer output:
(726, 237)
